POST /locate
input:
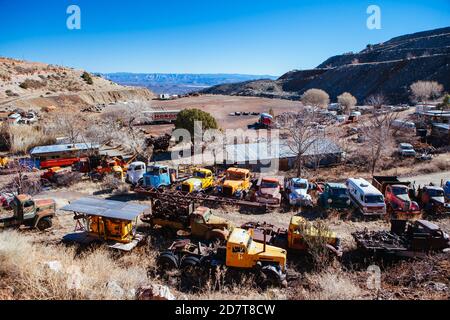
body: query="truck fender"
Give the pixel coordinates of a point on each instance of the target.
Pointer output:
(43, 214)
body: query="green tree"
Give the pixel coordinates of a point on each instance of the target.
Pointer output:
(187, 117)
(87, 77)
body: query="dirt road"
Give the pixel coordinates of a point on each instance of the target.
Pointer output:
(436, 178)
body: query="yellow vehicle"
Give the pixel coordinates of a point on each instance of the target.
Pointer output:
(236, 184)
(243, 252)
(4, 162)
(297, 237)
(240, 253)
(202, 179)
(300, 228)
(105, 220)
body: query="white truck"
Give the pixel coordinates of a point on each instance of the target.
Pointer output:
(135, 173)
(297, 190)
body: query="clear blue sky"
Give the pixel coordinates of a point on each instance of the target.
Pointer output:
(204, 36)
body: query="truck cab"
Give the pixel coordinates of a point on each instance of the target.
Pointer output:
(30, 212)
(447, 190)
(334, 195)
(202, 179)
(243, 252)
(298, 192)
(433, 200)
(406, 150)
(157, 176)
(135, 173)
(205, 225)
(300, 229)
(269, 191)
(398, 200)
(236, 184)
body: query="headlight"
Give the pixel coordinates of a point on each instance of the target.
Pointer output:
(330, 201)
(348, 202)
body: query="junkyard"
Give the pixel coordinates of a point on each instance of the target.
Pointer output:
(274, 167)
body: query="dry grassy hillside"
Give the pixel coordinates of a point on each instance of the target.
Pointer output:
(37, 85)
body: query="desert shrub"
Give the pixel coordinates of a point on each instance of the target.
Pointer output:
(316, 98)
(318, 252)
(32, 84)
(10, 93)
(187, 117)
(87, 77)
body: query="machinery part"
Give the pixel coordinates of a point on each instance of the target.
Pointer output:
(44, 223)
(269, 276)
(172, 196)
(167, 261)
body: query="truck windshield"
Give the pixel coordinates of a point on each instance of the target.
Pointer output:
(374, 199)
(435, 193)
(199, 174)
(399, 191)
(269, 184)
(154, 171)
(338, 192)
(234, 176)
(301, 185)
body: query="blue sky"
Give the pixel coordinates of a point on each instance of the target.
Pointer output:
(199, 36)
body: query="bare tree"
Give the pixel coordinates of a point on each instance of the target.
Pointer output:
(424, 90)
(70, 125)
(377, 133)
(316, 98)
(302, 133)
(347, 101)
(377, 100)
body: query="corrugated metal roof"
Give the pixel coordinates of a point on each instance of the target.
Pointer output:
(106, 208)
(241, 153)
(63, 147)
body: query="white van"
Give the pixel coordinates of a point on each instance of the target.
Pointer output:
(368, 199)
(135, 173)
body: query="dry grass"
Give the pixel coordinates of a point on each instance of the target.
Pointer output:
(23, 138)
(330, 284)
(24, 266)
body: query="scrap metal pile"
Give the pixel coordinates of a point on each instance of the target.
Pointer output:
(380, 241)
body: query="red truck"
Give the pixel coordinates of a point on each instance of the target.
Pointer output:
(397, 197)
(269, 191)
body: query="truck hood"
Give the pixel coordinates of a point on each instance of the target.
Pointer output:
(438, 200)
(301, 193)
(269, 191)
(232, 183)
(404, 197)
(271, 251)
(218, 221)
(44, 203)
(193, 182)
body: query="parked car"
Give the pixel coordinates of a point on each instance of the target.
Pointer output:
(406, 150)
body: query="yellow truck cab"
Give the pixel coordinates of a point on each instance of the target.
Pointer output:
(243, 252)
(202, 179)
(237, 182)
(300, 228)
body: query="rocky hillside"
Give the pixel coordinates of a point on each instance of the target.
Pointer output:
(388, 68)
(36, 85)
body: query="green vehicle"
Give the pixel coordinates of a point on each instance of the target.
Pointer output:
(333, 196)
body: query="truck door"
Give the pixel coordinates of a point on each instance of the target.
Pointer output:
(198, 226)
(28, 210)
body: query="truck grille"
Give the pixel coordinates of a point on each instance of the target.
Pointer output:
(227, 191)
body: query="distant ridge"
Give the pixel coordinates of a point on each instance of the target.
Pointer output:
(388, 68)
